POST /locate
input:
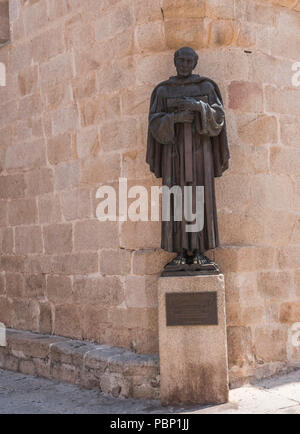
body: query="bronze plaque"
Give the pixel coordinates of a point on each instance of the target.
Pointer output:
(192, 309)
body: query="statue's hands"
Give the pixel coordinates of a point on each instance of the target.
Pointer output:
(184, 117)
(188, 104)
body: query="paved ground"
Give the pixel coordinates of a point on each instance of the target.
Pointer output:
(23, 394)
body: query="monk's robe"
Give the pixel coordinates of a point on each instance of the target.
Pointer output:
(166, 155)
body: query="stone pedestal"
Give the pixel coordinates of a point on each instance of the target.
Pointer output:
(193, 358)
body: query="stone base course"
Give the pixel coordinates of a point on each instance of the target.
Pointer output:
(115, 371)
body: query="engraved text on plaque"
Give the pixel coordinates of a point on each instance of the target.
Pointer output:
(192, 309)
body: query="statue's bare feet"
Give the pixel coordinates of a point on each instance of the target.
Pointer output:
(201, 260)
(179, 260)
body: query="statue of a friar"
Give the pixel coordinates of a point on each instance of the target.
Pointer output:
(187, 146)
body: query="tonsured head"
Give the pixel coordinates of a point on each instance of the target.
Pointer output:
(185, 60)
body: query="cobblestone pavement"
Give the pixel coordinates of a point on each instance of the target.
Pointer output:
(23, 394)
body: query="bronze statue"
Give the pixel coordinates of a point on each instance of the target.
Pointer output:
(187, 146)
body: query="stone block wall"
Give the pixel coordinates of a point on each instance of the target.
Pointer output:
(73, 117)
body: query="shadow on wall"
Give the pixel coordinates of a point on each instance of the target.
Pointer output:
(4, 22)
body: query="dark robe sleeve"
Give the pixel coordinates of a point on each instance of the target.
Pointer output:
(211, 121)
(161, 124)
(161, 132)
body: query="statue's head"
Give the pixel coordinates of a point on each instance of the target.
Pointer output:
(185, 60)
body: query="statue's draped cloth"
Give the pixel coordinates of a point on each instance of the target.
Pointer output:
(210, 155)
